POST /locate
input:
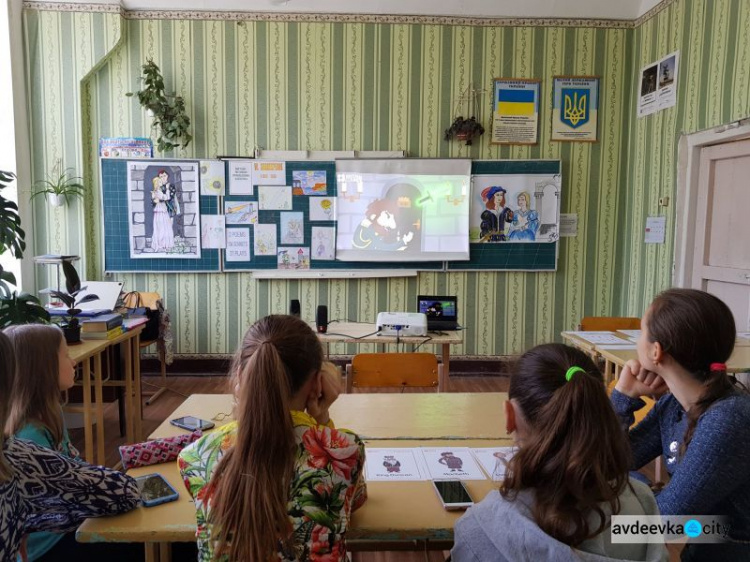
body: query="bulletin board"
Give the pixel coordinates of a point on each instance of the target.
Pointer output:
(117, 218)
(301, 204)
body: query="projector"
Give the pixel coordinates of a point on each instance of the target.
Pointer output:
(402, 324)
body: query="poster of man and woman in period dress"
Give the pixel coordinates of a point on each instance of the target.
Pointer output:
(163, 214)
(515, 208)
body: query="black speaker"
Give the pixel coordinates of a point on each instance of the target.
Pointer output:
(294, 308)
(321, 319)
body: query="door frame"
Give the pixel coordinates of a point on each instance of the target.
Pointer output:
(686, 195)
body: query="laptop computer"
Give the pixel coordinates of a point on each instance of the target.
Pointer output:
(107, 291)
(441, 311)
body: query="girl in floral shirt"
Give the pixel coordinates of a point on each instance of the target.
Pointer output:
(281, 480)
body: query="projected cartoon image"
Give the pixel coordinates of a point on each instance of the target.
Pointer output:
(393, 223)
(403, 217)
(515, 208)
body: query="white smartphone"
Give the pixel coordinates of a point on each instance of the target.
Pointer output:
(453, 494)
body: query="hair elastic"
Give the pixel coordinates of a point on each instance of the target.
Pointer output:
(572, 371)
(718, 367)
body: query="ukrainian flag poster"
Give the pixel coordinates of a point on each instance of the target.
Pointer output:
(515, 111)
(575, 105)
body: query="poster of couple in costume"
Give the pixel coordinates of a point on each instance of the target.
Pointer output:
(515, 208)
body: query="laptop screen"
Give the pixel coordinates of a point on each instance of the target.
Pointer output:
(438, 307)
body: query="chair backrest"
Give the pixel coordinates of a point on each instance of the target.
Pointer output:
(609, 323)
(393, 369)
(140, 298)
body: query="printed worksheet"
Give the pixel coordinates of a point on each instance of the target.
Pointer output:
(240, 177)
(452, 462)
(601, 337)
(269, 173)
(393, 465)
(494, 460)
(238, 244)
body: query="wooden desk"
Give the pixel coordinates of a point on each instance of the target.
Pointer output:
(739, 362)
(394, 511)
(90, 351)
(351, 332)
(381, 416)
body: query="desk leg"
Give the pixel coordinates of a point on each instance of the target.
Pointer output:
(88, 428)
(138, 411)
(128, 376)
(165, 552)
(99, 398)
(445, 382)
(152, 552)
(608, 371)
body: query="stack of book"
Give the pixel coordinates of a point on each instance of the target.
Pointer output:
(102, 327)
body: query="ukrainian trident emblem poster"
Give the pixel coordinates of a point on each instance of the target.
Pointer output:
(575, 108)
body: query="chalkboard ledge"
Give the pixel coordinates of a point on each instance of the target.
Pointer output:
(331, 273)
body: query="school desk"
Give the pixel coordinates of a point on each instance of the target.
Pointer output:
(89, 355)
(357, 332)
(479, 415)
(407, 513)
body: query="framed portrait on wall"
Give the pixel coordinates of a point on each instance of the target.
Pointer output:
(575, 108)
(515, 111)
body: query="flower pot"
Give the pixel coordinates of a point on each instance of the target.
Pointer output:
(72, 333)
(56, 200)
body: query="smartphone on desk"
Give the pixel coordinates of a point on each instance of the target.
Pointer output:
(192, 423)
(155, 490)
(453, 494)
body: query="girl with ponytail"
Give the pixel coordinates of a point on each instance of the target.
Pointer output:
(279, 483)
(568, 476)
(701, 426)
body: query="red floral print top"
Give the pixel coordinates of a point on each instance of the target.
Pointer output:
(328, 484)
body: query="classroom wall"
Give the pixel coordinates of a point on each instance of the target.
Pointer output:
(378, 86)
(713, 89)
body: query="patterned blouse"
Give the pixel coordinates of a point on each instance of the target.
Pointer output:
(49, 492)
(328, 484)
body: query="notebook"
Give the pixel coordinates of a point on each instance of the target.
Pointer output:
(441, 311)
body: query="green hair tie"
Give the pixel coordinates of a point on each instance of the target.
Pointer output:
(572, 371)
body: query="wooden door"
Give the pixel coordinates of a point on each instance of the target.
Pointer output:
(721, 263)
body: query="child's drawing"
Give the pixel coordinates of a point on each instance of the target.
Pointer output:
(309, 182)
(213, 232)
(241, 212)
(212, 177)
(292, 228)
(294, 258)
(264, 237)
(323, 243)
(322, 208)
(275, 197)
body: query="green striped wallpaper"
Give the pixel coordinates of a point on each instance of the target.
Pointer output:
(385, 86)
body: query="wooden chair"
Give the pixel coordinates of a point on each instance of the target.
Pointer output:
(150, 300)
(609, 323)
(398, 370)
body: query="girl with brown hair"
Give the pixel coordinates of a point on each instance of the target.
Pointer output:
(280, 482)
(41, 490)
(568, 477)
(701, 426)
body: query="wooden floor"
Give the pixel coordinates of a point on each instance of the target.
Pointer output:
(180, 387)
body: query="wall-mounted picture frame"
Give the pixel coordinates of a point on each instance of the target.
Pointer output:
(575, 108)
(515, 111)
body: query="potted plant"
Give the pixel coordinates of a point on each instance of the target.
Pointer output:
(15, 308)
(169, 118)
(59, 185)
(71, 326)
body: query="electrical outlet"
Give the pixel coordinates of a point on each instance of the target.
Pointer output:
(663, 201)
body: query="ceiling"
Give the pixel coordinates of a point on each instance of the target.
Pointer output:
(589, 9)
